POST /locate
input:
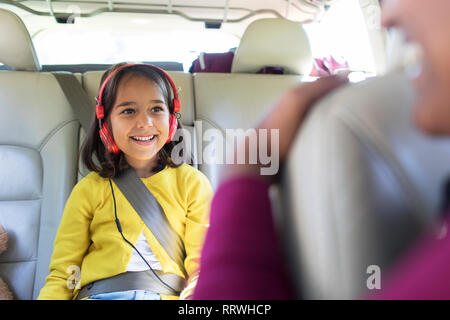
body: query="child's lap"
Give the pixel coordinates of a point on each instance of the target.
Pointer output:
(126, 295)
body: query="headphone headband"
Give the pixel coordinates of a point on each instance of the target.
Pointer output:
(100, 110)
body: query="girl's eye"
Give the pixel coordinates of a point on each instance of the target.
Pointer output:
(157, 109)
(128, 111)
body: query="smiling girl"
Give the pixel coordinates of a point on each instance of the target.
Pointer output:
(133, 130)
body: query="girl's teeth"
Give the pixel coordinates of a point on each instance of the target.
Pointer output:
(143, 139)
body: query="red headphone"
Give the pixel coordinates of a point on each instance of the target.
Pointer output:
(105, 132)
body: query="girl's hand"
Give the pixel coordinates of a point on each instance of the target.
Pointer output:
(287, 116)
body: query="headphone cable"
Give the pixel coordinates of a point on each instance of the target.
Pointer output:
(119, 227)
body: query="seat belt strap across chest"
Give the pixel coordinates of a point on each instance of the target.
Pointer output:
(151, 212)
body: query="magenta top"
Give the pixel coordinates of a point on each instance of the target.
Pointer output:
(242, 260)
(423, 272)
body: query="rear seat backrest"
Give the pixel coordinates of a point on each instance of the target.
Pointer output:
(239, 99)
(231, 101)
(38, 152)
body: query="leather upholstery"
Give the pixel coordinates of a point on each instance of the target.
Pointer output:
(38, 152)
(231, 101)
(16, 48)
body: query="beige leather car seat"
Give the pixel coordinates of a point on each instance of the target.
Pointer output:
(38, 152)
(239, 99)
(273, 42)
(361, 184)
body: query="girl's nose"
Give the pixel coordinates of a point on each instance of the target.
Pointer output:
(144, 120)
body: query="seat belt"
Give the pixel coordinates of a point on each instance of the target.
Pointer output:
(151, 213)
(78, 99)
(134, 280)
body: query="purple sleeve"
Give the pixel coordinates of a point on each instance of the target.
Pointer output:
(424, 272)
(241, 258)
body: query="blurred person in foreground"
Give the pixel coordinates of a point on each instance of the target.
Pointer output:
(241, 257)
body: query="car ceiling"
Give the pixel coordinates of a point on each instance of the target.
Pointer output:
(234, 15)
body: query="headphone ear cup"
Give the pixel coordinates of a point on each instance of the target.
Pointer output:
(173, 125)
(107, 139)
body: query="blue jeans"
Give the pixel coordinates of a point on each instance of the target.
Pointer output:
(126, 295)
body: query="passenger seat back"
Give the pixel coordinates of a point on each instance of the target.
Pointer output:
(361, 185)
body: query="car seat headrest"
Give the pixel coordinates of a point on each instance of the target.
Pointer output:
(273, 43)
(16, 48)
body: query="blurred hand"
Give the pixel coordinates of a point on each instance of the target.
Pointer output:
(288, 114)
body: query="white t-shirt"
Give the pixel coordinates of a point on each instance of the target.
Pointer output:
(136, 262)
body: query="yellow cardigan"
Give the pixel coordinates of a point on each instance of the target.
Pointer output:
(88, 238)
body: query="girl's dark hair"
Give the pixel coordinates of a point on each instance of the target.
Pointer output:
(94, 154)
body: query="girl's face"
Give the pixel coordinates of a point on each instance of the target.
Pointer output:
(140, 121)
(428, 23)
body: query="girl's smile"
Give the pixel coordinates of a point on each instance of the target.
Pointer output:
(140, 122)
(144, 141)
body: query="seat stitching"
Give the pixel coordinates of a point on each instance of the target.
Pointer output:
(54, 131)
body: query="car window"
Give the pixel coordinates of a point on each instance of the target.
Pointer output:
(82, 45)
(342, 33)
(108, 38)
